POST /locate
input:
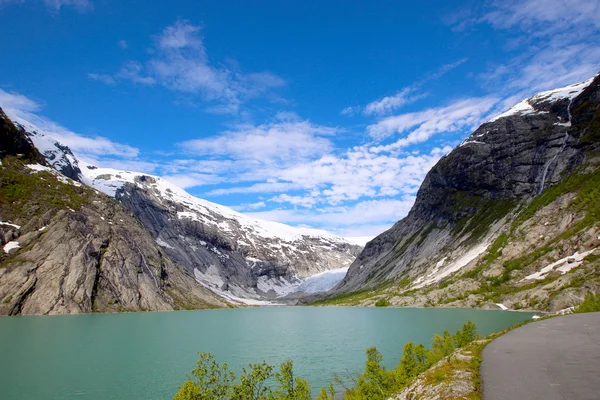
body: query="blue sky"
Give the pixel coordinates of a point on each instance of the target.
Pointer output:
(319, 113)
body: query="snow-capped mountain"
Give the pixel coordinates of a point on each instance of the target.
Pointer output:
(482, 204)
(230, 253)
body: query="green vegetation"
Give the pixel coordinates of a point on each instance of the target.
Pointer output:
(24, 194)
(210, 380)
(488, 212)
(382, 303)
(349, 298)
(591, 303)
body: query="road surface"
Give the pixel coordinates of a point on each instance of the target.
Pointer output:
(554, 359)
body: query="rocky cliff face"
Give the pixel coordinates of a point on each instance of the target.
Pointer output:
(70, 249)
(490, 185)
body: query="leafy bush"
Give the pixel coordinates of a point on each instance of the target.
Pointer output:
(382, 303)
(210, 380)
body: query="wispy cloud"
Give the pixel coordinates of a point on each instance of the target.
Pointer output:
(544, 17)
(79, 5)
(361, 219)
(420, 126)
(179, 62)
(407, 95)
(56, 5)
(122, 44)
(24, 110)
(391, 103)
(555, 43)
(280, 142)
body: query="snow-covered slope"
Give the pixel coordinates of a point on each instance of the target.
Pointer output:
(230, 253)
(57, 154)
(110, 181)
(527, 106)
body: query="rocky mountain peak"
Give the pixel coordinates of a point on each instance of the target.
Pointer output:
(464, 199)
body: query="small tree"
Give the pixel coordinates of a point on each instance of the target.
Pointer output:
(209, 380)
(290, 388)
(327, 394)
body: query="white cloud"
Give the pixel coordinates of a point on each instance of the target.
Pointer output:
(407, 95)
(122, 44)
(304, 201)
(338, 179)
(179, 62)
(264, 187)
(24, 110)
(544, 17)
(557, 42)
(189, 180)
(390, 103)
(462, 114)
(250, 206)
(369, 217)
(350, 111)
(106, 79)
(56, 5)
(79, 5)
(280, 142)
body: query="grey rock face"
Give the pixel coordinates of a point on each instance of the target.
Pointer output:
(226, 251)
(84, 252)
(463, 199)
(95, 259)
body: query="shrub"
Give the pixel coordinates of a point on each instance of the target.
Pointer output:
(382, 303)
(210, 380)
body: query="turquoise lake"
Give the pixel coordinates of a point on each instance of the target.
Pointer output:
(147, 355)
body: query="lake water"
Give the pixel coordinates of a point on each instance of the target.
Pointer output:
(146, 355)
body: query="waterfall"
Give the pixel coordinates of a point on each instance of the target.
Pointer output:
(564, 144)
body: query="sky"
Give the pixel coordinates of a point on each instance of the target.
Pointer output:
(325, 114)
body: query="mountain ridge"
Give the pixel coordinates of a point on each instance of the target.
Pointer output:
(242, 259)
(474, 194)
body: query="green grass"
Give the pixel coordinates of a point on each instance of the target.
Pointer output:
(348, 298)
(24, 194)
(591, 303)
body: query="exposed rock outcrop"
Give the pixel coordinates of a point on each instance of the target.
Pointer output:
(70, 249)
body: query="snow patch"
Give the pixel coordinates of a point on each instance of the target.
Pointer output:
(524, 107)
(564, 265)
(39, 168)
(9, 224)
(521, 108)
(11, 246)
(502, 306)
(163, 243)
(436, 275)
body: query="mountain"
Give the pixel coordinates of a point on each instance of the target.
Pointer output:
(234, 255)
(242, 259)
(67, 248)
(510, 216)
